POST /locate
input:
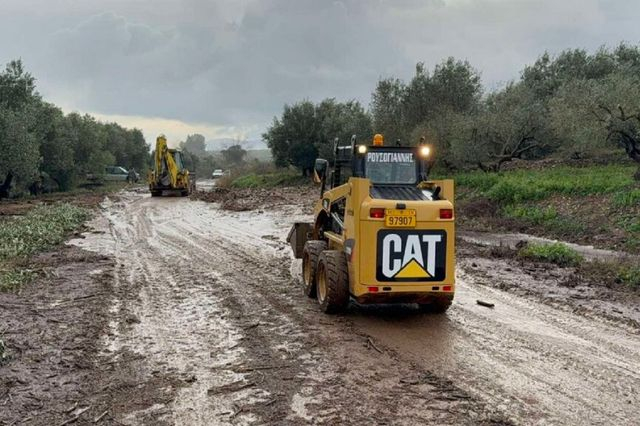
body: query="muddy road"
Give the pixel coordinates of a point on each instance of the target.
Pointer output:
(206, 324)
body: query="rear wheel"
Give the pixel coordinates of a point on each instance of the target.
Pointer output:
(438, 306)
(310, 254)
(333, 281)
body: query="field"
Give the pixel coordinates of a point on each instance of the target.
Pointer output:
(597, 204)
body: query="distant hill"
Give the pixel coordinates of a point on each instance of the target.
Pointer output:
(223, 143)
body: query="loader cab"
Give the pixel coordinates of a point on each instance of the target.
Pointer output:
(395, 166)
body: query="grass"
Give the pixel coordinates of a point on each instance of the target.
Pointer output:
(40, 229)
(626, 198)
(518, 186)
(532, 214)
(596, 204)
(556, 253)
(630, 276)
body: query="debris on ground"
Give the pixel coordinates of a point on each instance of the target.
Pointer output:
(485, 304)
(238, 200)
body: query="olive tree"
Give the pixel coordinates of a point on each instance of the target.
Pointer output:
(597, 114)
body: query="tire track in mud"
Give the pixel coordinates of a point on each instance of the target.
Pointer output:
(205, 298)
(337, 373)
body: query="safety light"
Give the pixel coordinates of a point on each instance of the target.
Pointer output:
(446, 213)
(425, 151)
(446, 288)
(362, 149)
(378, 140)
(372, 289)
(376, 213)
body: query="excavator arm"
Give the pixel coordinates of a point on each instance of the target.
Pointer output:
(167, 174)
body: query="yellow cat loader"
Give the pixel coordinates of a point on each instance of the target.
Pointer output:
(383, 232)
(169, 174)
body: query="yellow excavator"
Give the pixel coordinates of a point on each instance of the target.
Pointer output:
(383, 232)
(169, 174)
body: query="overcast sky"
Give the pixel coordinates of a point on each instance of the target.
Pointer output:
(224, 68)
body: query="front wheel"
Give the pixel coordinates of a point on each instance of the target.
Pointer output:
(310, 255)
(333, 282)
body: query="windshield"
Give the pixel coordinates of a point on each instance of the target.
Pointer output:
(391, 167)
(177, 157)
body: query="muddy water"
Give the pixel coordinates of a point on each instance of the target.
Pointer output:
(209, 295)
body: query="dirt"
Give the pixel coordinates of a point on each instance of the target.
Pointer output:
(195, 315)
(235, 199)
(81, 198)
(574, 222)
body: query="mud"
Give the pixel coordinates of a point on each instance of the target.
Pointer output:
(238, 200)
(201, 320)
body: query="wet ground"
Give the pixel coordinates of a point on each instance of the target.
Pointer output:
(200, 320)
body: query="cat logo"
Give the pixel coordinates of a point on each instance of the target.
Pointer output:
(409, 255)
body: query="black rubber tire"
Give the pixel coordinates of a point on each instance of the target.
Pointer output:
(310, 254)
(438, 306)
(156, 193)
(184, 193)
(334, 270)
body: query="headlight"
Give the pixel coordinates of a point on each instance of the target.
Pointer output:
(362, 149)
(425, 151)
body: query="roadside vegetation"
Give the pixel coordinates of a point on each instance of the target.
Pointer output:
(556, 253)
(45, 150)
(591, 204)
(40, 229)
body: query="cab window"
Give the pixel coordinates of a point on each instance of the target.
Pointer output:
(391, 167)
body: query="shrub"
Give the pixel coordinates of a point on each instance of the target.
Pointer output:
(556, 253)
(630, 275)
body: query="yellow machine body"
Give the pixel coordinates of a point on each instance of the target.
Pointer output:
(361, 242)
(169, 173)
(395, 226)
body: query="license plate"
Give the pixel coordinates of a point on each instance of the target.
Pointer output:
(395, 218)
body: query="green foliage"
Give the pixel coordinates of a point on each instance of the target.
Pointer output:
(556, 253)
(630, 275)
(627, 198)
(305, 131)
(234, 155)
(527, 185)
(40, 229)
(399, 108)
(47, 150)
(532, 214)
(12, 278)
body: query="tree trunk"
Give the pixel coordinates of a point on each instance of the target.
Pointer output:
(6, 186)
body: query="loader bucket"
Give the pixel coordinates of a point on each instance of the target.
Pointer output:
(299, 235)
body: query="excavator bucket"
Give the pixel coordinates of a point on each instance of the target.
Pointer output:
(299, 234)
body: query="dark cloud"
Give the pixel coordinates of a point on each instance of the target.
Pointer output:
(233, 63)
